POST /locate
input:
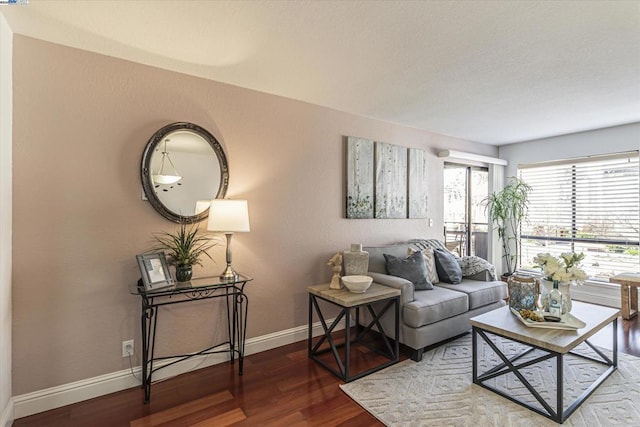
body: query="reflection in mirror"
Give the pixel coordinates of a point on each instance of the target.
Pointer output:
(183, 168)
(158, 173)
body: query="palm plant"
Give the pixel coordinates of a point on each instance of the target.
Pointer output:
(507, 209)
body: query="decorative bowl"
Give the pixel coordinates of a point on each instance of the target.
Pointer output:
(357, 284)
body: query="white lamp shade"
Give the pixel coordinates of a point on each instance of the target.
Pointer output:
(202, 205)
(228, 216)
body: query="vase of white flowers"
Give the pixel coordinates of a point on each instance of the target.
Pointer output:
(565, 270)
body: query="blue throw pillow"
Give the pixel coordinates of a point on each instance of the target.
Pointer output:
(413, 268)
(447, 266)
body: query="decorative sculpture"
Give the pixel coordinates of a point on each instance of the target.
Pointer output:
(336, 265)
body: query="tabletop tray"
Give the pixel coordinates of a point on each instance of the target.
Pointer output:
(568, 322)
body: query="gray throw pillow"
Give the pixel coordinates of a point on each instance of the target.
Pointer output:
(413, 268)
(449, 270)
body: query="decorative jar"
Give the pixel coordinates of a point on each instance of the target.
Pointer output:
(356, 261)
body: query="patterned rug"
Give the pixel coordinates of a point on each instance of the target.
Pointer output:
(438, 391)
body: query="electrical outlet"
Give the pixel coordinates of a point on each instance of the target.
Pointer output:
(127, 348)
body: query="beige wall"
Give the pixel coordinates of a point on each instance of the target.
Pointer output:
(81, 122)
(6, 41)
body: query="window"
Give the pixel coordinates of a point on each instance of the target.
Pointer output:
(588, 205)
(465, 187)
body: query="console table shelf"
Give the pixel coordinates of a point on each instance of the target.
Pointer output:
(194, 290)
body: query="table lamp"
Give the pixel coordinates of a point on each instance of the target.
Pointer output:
(228, 216)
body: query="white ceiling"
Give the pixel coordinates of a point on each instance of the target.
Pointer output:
(487, 71)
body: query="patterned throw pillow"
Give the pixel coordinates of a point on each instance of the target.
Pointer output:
(430, 261)
(449, 270)
(412, 268)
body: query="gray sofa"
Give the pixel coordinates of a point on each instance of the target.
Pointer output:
(428, 317)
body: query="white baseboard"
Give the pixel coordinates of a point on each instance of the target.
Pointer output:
(66, 394)
(6, 417)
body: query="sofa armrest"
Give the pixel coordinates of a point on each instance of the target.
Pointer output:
(405, 286)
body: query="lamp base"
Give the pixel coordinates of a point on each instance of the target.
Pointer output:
(229, 274)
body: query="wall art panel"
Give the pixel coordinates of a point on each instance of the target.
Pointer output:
(391, 181)
(360, 175)
(418, 187)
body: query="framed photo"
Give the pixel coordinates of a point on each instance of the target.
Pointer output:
(155, 271)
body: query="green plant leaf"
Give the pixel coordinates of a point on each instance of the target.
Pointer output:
(507, 209)
(186, 246)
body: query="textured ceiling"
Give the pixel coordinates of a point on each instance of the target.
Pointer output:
(493, 72)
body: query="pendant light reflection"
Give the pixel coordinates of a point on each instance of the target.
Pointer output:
(162, 178)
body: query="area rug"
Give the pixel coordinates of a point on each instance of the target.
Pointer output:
(438, 391)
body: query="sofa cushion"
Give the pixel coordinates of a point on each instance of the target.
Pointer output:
(412, 268)
(447, 266)
(434, 306)
(480, 293)
(430, 261)
(377, 263)
(472, 265)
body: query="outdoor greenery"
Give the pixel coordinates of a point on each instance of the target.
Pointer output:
(507, 209)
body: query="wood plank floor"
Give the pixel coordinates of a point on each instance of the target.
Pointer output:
(279, 387)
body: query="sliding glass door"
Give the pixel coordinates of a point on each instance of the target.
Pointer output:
(465, 218)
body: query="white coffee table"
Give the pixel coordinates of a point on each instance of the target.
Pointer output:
(555, 343)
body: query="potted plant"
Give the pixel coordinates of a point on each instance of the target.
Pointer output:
(184, 248)
(507, 209)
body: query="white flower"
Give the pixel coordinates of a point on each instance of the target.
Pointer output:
(542, 259)
(552, 266)
(578, 274)
(564, 268)
(562, 275)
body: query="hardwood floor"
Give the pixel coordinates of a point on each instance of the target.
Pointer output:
(279, 387)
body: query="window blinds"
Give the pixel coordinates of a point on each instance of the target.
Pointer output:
(589, 205)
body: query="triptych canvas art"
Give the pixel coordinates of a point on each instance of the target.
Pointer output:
(385, 180)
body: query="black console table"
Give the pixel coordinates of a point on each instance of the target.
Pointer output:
(196, 289)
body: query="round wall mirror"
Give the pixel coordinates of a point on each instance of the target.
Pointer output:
(183, 168)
